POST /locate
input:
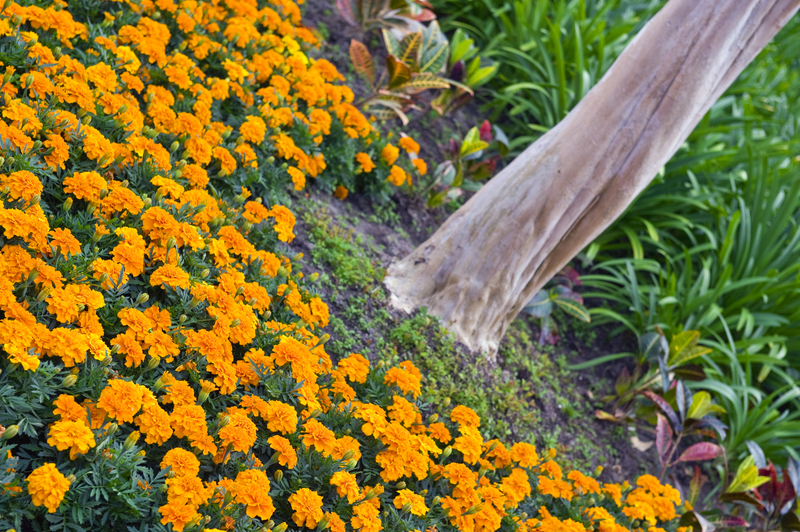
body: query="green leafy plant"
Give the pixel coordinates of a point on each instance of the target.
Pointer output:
(414, 64)
(466, 67)
(560, 294)
(380, 14)
(468, 163)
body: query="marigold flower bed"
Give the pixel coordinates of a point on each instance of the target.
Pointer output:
(162, 364)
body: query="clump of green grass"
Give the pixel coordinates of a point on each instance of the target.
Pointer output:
(340, 249)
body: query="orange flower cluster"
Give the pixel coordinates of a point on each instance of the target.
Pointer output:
(162, 329)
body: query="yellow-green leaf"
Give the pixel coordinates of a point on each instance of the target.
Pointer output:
(701, 405)
(399, 73)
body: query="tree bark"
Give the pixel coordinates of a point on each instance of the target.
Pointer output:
(493, 254)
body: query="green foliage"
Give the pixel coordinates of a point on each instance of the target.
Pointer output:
(340, 249)
(470, 161)
(548, 53)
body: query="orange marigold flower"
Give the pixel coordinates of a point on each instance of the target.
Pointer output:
(366, 163)
(286, 454)
(307, 506)
(73, 435)
(64, 241)
(153, 422)
(253, 129)
(85, 185)
(252, 490)
(524, 454)
(317, 435)
(121, 399)
(346, 486)
(390, 154)
(240, 433)
(172, 276)
(355, 367)
(397, 176)
(280, 417)
(182, 462)
(406, 377)
(417, 502)
(284, 222)
(340, 192)
(22, 184)
(47, 486)
(586, 484)
(298, 178)
(408, 144)
(420, 165)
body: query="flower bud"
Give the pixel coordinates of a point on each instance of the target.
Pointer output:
(224, 420)
(348, 455)
(43, 293)
(104, 160)
(153, 363)
(90, 208)
(112, 429)
(2, 161)
(598, 470)
(86, 120)
(148, 202)
(324, 522)
(103, 278)
(236, 322)
(69, 381)
(400, 485)
(436, 500)
(115, 349)
(278, 475)
(371, 494)
(447, 452)
(475, 509)
(29, 79)
(142, 299)
(280, 528)
(194, 302)
(407, 507)
(283, 272)
(131, 440)
(10, 432)
(67, 204)
(433, 418)
(351, 465)
(205, 273)
(174, 146)
(270, 159)
(11, 161)
(315, 413)
(36, 145)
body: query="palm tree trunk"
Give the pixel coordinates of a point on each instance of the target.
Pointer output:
(491, 256)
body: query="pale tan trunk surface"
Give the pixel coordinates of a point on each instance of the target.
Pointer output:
(491, 256)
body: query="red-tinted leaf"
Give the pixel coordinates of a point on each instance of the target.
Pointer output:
(663, 438)
(666, 408)
(700, 451)
(362, 61)
(457, 72)
(486, 131)
(426, 16)
(731, 521)
(696, 484)
(345, 8)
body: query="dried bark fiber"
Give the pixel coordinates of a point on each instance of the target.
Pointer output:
(492, 255)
